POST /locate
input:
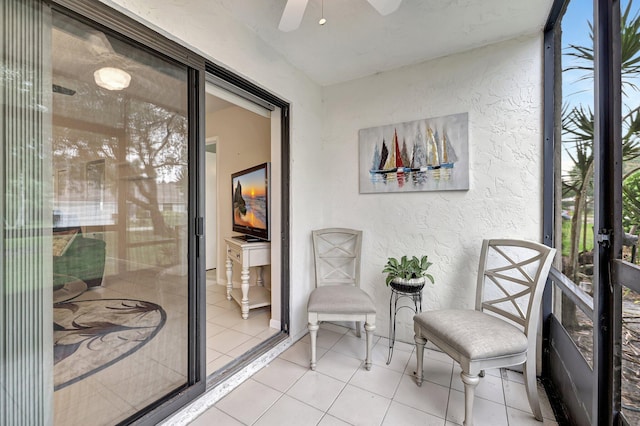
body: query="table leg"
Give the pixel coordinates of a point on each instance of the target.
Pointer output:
(259, 280)
(393, 310)
(245, 292)
(229, 266)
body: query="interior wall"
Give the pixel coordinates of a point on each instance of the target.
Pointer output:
(500, 86)
(211, 206)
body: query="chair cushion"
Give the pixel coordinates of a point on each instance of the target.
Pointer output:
(340, 299)
(474, 334)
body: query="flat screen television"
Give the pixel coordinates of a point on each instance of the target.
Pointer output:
(250, 202)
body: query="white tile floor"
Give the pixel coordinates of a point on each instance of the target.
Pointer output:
(228, 335)
(342, 392)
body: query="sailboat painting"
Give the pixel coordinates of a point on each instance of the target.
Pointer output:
(422, 155)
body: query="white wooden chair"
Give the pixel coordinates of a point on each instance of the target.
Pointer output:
(502, 329)
(338, 296)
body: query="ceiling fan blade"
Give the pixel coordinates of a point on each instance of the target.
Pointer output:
(385, 7)
(292, 15)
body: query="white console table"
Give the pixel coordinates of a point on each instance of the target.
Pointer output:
(248, 255)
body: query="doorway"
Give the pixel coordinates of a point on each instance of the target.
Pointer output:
(238, 137)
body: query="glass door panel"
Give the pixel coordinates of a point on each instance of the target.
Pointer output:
(577, 166)
(120, 200)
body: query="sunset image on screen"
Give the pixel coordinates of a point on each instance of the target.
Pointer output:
(249, 200)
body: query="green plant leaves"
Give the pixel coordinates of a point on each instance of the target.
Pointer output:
(407, 268)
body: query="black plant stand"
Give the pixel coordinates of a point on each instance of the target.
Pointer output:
(399, 291)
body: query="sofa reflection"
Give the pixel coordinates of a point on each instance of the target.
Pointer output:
(78, 256)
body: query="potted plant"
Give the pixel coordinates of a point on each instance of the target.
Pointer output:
(407, 274)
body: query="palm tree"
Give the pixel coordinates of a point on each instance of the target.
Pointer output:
(577, 126)
(631, 201)
(629, 49)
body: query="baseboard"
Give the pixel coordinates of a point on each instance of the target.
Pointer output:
(274, 324)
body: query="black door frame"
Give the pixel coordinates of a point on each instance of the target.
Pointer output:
(242, 87)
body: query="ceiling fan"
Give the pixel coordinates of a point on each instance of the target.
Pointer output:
(294, 10)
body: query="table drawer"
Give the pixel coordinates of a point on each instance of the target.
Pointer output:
(234, 253)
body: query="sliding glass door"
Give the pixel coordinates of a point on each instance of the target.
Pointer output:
(120, 234)
(100, 245)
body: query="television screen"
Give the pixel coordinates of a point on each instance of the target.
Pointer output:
(250, 201)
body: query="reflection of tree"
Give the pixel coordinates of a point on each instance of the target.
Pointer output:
(156, 153)
(147, 142)
(23, 192)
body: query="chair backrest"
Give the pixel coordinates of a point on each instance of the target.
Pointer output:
(511, 279)
(337, 256)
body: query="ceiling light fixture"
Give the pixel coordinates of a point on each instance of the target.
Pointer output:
(322, 20)
(112, 78)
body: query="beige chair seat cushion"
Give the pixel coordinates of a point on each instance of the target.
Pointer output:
(473, 334)
(340, 299)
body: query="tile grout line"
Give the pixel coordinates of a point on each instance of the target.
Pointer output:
(269, 407)
(325, 412)
(332, 402)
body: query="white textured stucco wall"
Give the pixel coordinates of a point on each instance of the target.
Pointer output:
(500, 86)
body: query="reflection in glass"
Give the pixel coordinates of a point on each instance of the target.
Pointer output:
(119, 228)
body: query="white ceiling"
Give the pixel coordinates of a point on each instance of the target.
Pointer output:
(357, 41)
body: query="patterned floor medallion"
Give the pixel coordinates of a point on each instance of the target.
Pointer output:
(90, 335)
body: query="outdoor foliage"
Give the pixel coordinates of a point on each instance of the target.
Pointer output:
(631, 201)
(578, 134)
